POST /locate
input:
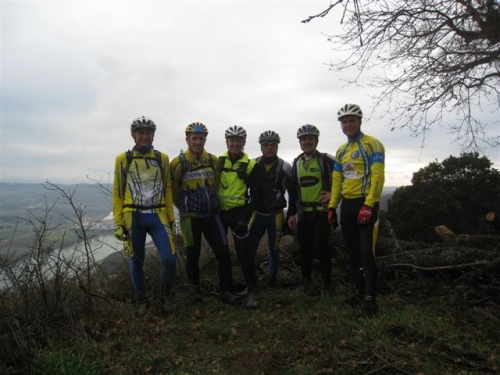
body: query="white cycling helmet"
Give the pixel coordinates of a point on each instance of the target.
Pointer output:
(350, 110)
(269, 136)
(307, 129)
(236, 131)
(142, 122)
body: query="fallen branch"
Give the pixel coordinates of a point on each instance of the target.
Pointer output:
(440, 268)
(486, 268)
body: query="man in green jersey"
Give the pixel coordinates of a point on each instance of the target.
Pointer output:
(308, 209)
(235, 174)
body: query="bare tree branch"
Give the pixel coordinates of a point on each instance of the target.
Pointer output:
(433, 58)
(323, 13)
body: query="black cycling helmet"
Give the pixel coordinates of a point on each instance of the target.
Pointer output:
(349, 110)
(269, 136)
(307, 129)
(142, 122)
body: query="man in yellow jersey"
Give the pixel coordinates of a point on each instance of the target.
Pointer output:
(236, 172)
(308, 209)
(195, 177)
(142, 204)
(358, 180)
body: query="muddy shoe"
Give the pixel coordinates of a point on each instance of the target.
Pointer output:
(142, 304)
(355, 300)
(305, 285)
(326, 292)
(252, 301)
(243, 293)
(196, 294)
(168, 305)
(307, 288)
(370, 308)
(230, 298)
(271, 282)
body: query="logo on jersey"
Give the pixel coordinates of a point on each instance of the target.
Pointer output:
(355, 154)
(348, 171)
(201, 174)
(308, 181)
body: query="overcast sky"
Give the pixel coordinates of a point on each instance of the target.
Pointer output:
(74, 74)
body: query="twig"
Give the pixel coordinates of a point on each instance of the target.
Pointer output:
(90, 294)
(323, 13)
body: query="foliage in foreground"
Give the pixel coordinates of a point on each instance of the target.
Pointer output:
(425, 327)
(439, 305)
(291, 335)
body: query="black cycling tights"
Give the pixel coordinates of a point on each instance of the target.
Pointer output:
(211, 227)
(359, 242)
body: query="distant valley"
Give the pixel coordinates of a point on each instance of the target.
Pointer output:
(23, 205)
(17, 199)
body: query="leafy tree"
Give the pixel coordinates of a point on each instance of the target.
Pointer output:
(457, 193)
(433, 56)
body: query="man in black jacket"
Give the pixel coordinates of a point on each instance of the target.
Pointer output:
(268, 200)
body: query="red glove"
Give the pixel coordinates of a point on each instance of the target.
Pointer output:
(364, 215)
(332, 218)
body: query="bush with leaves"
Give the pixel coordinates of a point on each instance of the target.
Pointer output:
(457, 193)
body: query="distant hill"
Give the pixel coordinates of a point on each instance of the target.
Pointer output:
(386, 195)
(19, 199)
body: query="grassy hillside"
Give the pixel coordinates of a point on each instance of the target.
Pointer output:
(428, 324)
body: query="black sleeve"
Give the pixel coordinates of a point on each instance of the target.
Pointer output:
(329, 162)
(293, 195)
(253, 191)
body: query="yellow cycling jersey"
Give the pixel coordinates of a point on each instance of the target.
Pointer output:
(359, 171)
(142, 184)
(233, 184)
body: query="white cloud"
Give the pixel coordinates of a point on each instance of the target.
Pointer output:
(75, 74)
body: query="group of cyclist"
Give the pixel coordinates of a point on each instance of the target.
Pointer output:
(233, 193)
